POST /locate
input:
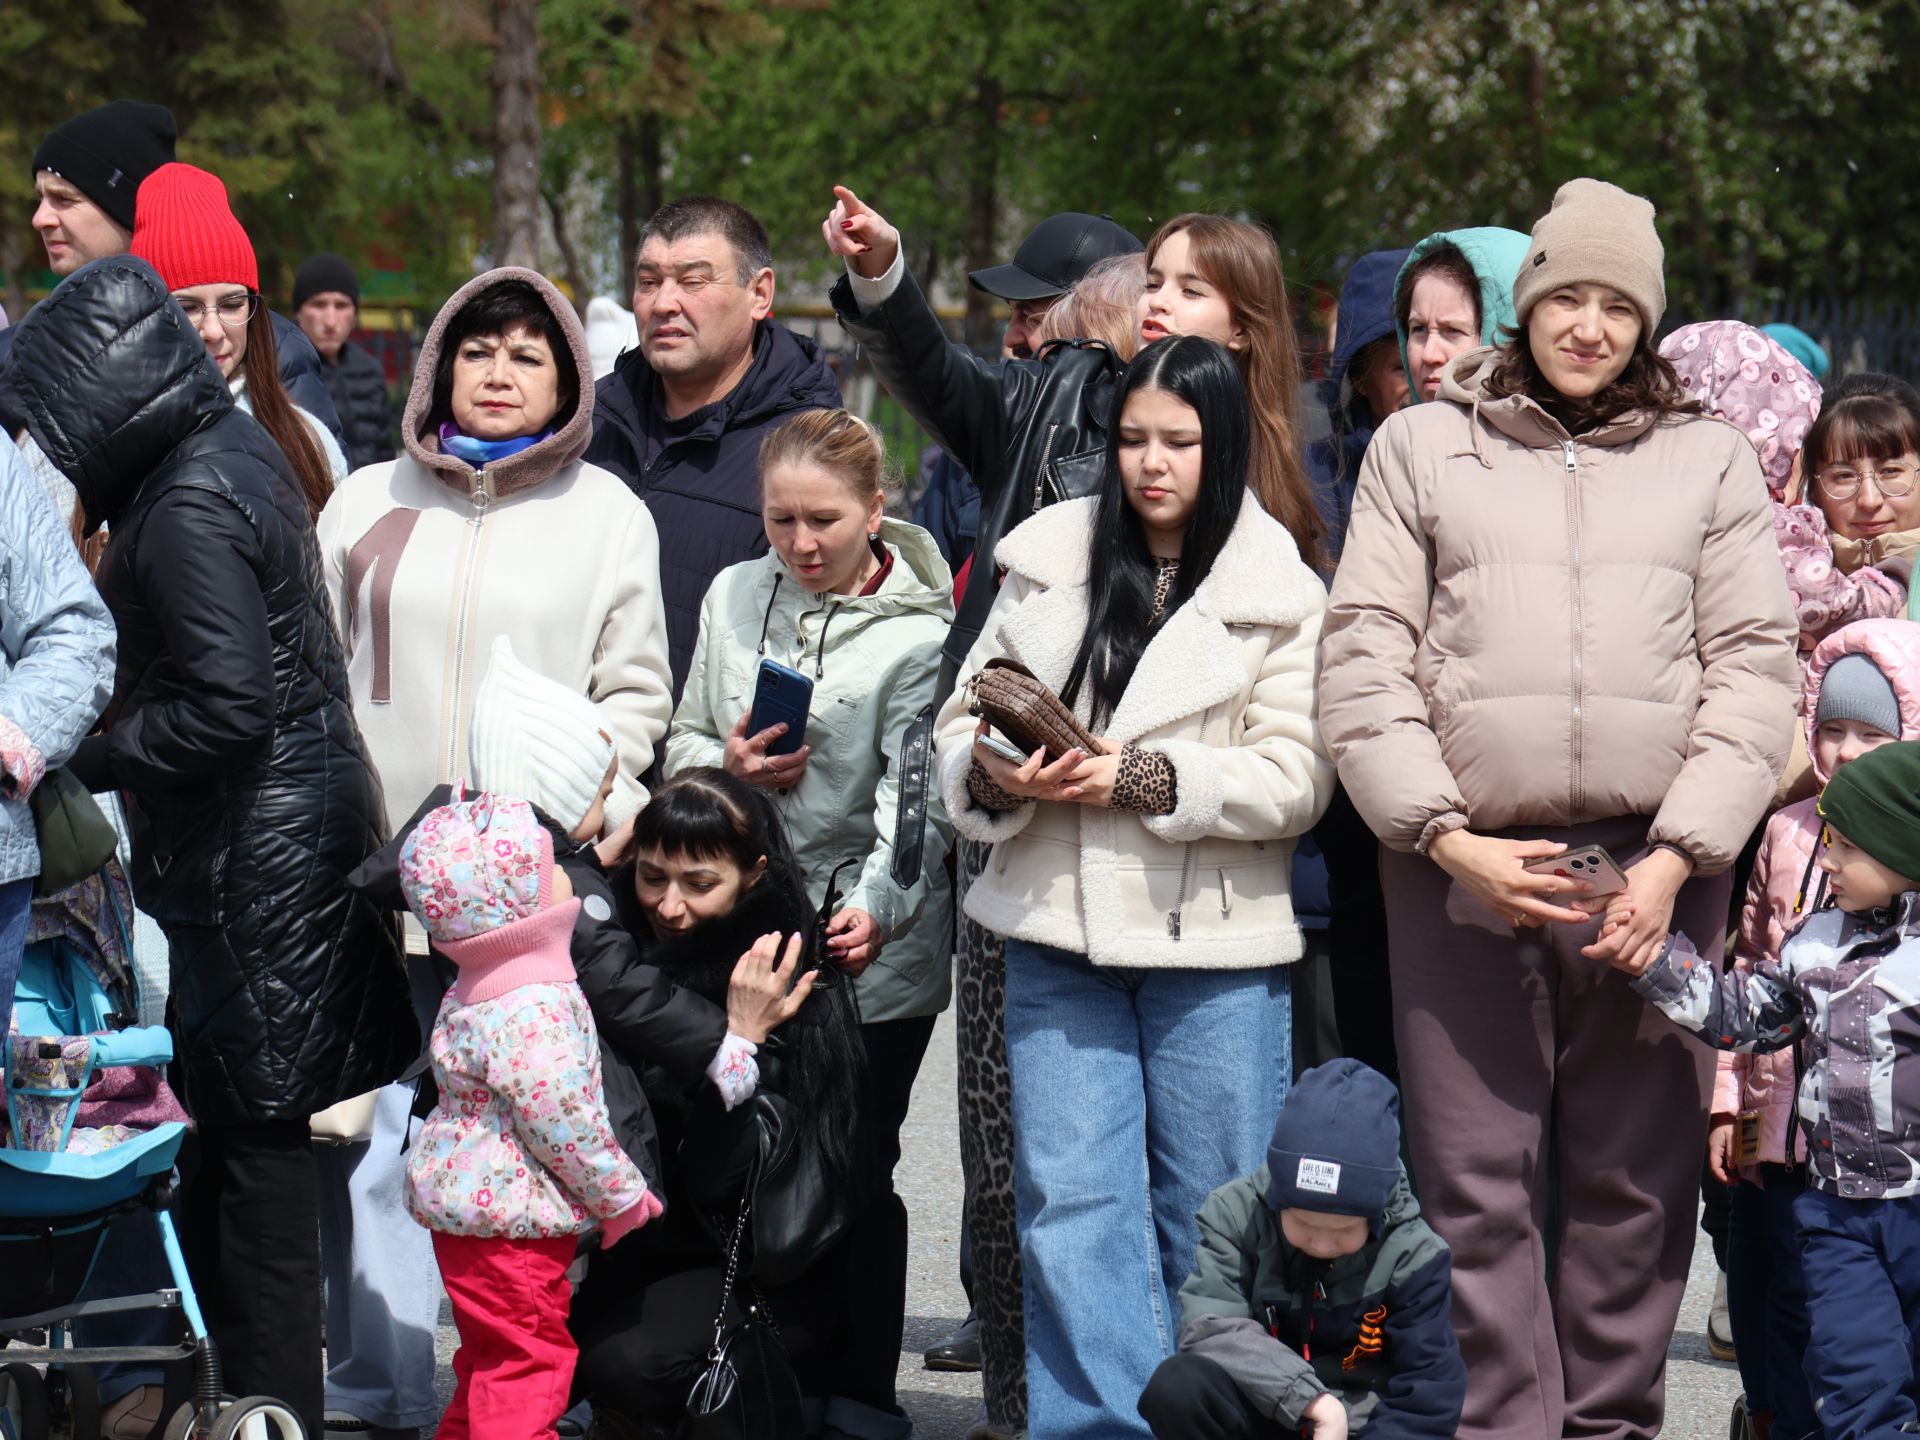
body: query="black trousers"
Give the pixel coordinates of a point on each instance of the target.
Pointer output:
(250, 1226)
(1191, 1398)
(1362, 986)
(874, 1257)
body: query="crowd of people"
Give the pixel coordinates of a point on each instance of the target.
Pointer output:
(1380, 880)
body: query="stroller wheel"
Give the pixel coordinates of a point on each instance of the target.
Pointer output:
(258, 1418)
(82, 1402)
(23, 1400)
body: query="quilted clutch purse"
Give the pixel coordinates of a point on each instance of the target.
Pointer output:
(1007, 696)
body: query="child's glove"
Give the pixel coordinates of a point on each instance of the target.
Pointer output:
(646, 1208)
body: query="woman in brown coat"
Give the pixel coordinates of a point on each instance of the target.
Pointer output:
(1558, 622)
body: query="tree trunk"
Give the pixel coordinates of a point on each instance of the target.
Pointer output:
(627, 189)
(516, 133)
(13, 255)
(653, 191)
(569, 255)
(983, 168)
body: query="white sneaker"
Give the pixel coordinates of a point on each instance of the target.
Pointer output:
(1719, 1326)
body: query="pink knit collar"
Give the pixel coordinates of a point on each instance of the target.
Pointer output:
(533, 951)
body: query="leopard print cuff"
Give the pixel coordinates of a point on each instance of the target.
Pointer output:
(1145, 782)
(986, 794)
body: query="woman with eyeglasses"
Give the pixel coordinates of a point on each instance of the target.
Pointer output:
(187, 231)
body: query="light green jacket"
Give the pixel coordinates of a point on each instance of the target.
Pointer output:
(873, 660)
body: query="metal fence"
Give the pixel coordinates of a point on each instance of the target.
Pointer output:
(1856, 334)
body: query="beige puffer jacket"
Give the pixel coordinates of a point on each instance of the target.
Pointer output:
(1225, 692)
(1533, 629)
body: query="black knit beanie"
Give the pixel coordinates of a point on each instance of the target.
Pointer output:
(106, 153)
(1336, 1145)
(321, 274)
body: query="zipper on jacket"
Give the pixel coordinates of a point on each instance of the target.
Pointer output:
(1186, 886)
(480, 498)
(1040, 475)
(1576, 780)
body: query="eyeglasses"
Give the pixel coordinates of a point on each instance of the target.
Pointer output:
(1842, 482)
(233, 310)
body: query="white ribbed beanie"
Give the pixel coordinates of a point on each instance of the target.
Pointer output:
(537, 739)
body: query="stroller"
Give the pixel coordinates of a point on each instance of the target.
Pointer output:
(62, 1184)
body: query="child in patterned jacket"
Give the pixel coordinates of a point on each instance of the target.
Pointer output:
(519, 1157)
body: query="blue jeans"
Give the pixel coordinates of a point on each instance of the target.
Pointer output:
(16, 902)
(1136, 1094)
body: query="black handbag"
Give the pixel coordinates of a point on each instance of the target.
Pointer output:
(748, 1390)
(76, 838)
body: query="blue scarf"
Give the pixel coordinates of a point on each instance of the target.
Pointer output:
(478, 453)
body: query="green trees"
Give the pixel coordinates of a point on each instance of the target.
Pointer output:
(1775, 136)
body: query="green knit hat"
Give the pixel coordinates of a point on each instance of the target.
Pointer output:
(1875, 802)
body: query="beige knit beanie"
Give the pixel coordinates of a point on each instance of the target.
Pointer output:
(1596, 234)
(536, 739)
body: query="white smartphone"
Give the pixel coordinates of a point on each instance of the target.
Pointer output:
(1006, 750)
(1591, 865)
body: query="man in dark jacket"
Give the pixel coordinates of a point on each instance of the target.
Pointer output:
(326, 302)
(87, 172)
(681, 417)
(1320, 1298)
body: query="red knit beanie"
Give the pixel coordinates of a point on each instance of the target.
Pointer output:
(185, 229)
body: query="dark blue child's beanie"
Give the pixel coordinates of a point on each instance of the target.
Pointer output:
(1336, 1145)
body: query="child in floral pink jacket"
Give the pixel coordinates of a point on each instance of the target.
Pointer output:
(519, 1156)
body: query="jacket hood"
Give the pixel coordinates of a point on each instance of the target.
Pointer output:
(1894, 648)
(919, 583)
(535, 464)
(1520, 417)
(1366, 307)
(789, 372)
(109, 379)
(1249, 584)
(1495, 255)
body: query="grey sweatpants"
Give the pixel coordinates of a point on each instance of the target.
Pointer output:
(1521, 1058)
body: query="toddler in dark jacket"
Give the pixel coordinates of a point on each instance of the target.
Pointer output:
(1319, 1303)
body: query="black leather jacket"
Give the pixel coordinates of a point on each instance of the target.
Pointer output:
(1030, 431)
(230, 729)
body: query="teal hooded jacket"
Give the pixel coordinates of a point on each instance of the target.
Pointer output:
(1495, 255)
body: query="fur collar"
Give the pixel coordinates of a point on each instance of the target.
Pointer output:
(1258, 579)
(702, 960)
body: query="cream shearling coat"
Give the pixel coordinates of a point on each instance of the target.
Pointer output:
(1224, 690)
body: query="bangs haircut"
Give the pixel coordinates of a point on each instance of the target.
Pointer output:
(498, 310)
(703, 814)
(710, 215)
(1868, 416)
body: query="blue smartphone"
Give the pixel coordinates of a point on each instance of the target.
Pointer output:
(780, 694)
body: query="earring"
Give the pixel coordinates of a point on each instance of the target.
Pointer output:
(873, 535)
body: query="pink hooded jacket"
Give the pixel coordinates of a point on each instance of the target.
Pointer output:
(1743, 376)
(1787, 885)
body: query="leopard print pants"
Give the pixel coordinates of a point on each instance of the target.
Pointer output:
(986, 1154)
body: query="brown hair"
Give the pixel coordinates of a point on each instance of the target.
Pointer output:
(838, 442)
(1868, 416)
(1104, 305)
(1243, 261)
(277, 415)
(1449, 262)
(1649, 383)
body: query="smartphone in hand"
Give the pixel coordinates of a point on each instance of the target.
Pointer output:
(1005, 749)
(781, 695)
(1591, 865)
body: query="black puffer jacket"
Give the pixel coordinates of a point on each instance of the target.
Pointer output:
(229, 730)
(1030, 431)
(700, 474)
(359, 389)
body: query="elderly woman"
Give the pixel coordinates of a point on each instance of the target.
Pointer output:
(488, 525)
(1558, 623)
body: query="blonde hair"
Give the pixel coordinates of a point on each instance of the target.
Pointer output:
(838, 442)
(1243, 261)
(1104, 304)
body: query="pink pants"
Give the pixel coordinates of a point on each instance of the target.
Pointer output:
(515, 1362)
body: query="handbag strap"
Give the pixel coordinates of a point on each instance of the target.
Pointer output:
(756, 1306)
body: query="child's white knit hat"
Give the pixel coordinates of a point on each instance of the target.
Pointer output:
(537, 739)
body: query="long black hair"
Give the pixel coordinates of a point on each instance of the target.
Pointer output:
(707, 814)
(1122, 570)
